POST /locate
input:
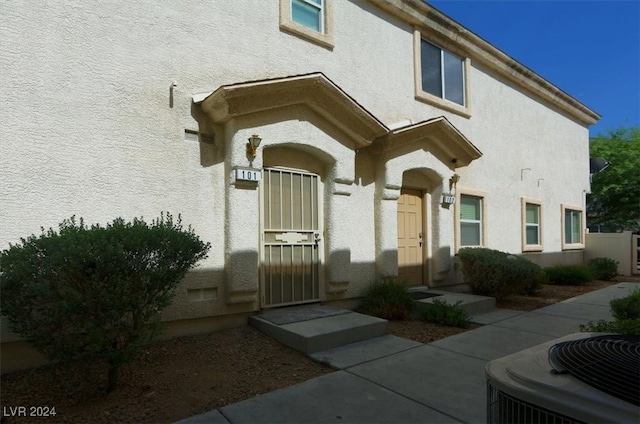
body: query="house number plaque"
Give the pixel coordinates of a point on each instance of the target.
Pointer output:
(244, 174)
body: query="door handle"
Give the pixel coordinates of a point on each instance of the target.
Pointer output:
(420, 242)
(316, 239)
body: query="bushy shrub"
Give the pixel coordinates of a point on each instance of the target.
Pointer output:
(498, 274)
(603, 268)
(627, 307)
(83, 293)
(626, 314)
(568, 275)
(388, 299)
(446, 313)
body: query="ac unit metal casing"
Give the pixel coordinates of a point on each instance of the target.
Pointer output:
(522, 388)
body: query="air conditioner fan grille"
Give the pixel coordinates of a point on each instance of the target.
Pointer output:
(610, 363)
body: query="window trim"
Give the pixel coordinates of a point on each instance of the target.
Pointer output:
(325, 38)
(572, 246)
(431, 99)
(483, 216)
(523, 218)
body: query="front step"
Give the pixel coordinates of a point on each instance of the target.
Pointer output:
(471, 303)
(315, 329)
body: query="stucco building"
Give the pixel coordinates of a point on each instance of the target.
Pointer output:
(391, 136)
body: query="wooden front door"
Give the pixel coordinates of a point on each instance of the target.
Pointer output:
(410, 237)
(291, 238)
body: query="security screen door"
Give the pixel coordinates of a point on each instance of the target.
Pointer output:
(291, 238)
(410, 237)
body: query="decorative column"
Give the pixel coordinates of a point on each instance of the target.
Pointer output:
(338, 262)
(242, 222)
(387, 229)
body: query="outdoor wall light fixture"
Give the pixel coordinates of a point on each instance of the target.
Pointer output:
(453, 181)
(252, 145)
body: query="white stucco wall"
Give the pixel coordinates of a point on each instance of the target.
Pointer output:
(87, 130)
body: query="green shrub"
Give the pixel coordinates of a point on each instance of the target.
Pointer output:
(498, 274)
(83, 293)
(603, 268)
(568, 275)
(446, 313)
(626, 314)
(626, 308)
(388, 299)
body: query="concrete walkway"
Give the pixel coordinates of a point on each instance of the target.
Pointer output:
(394, 380)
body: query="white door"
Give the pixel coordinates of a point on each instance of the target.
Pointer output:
(291, 238)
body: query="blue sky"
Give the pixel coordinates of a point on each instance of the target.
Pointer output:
(589, 49)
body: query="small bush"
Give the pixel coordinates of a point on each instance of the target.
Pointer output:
(446, 313)
(626, 308)
(626, 314)
(603, 268)
(82, 294)
(568, 275)
(388, 299)
(498, 274)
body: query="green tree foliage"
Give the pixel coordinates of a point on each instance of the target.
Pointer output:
(82, 294)
(615, 193)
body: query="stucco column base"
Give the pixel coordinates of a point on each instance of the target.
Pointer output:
(236, 297)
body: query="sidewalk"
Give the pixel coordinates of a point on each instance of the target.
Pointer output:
(396, 380)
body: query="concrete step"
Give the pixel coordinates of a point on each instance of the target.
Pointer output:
(315, 329)
(471, 303)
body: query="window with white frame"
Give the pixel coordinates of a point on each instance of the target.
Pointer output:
(308, 13)
(442, 73)
(470, 220)
(531, 225)
(572, 226)
(308, 19)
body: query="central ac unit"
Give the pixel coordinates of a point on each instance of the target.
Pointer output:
(554, 382)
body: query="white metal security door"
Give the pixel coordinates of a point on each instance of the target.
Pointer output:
(291, 238)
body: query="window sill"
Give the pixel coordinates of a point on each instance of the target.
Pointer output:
(532, 248)
(324, 40)
(443, 104)
(576, 246)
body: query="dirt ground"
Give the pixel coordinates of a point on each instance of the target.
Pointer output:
(177, 378)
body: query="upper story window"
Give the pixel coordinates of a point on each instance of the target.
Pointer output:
(309, 19)
(442, 73)
(308, 13)
(572, 228)
(441, 77)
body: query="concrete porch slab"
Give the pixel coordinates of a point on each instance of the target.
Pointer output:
(367, 350)
(471, 303)
(318, 334)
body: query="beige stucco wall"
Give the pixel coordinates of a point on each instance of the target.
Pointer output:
(616, 246)
(88, 130)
